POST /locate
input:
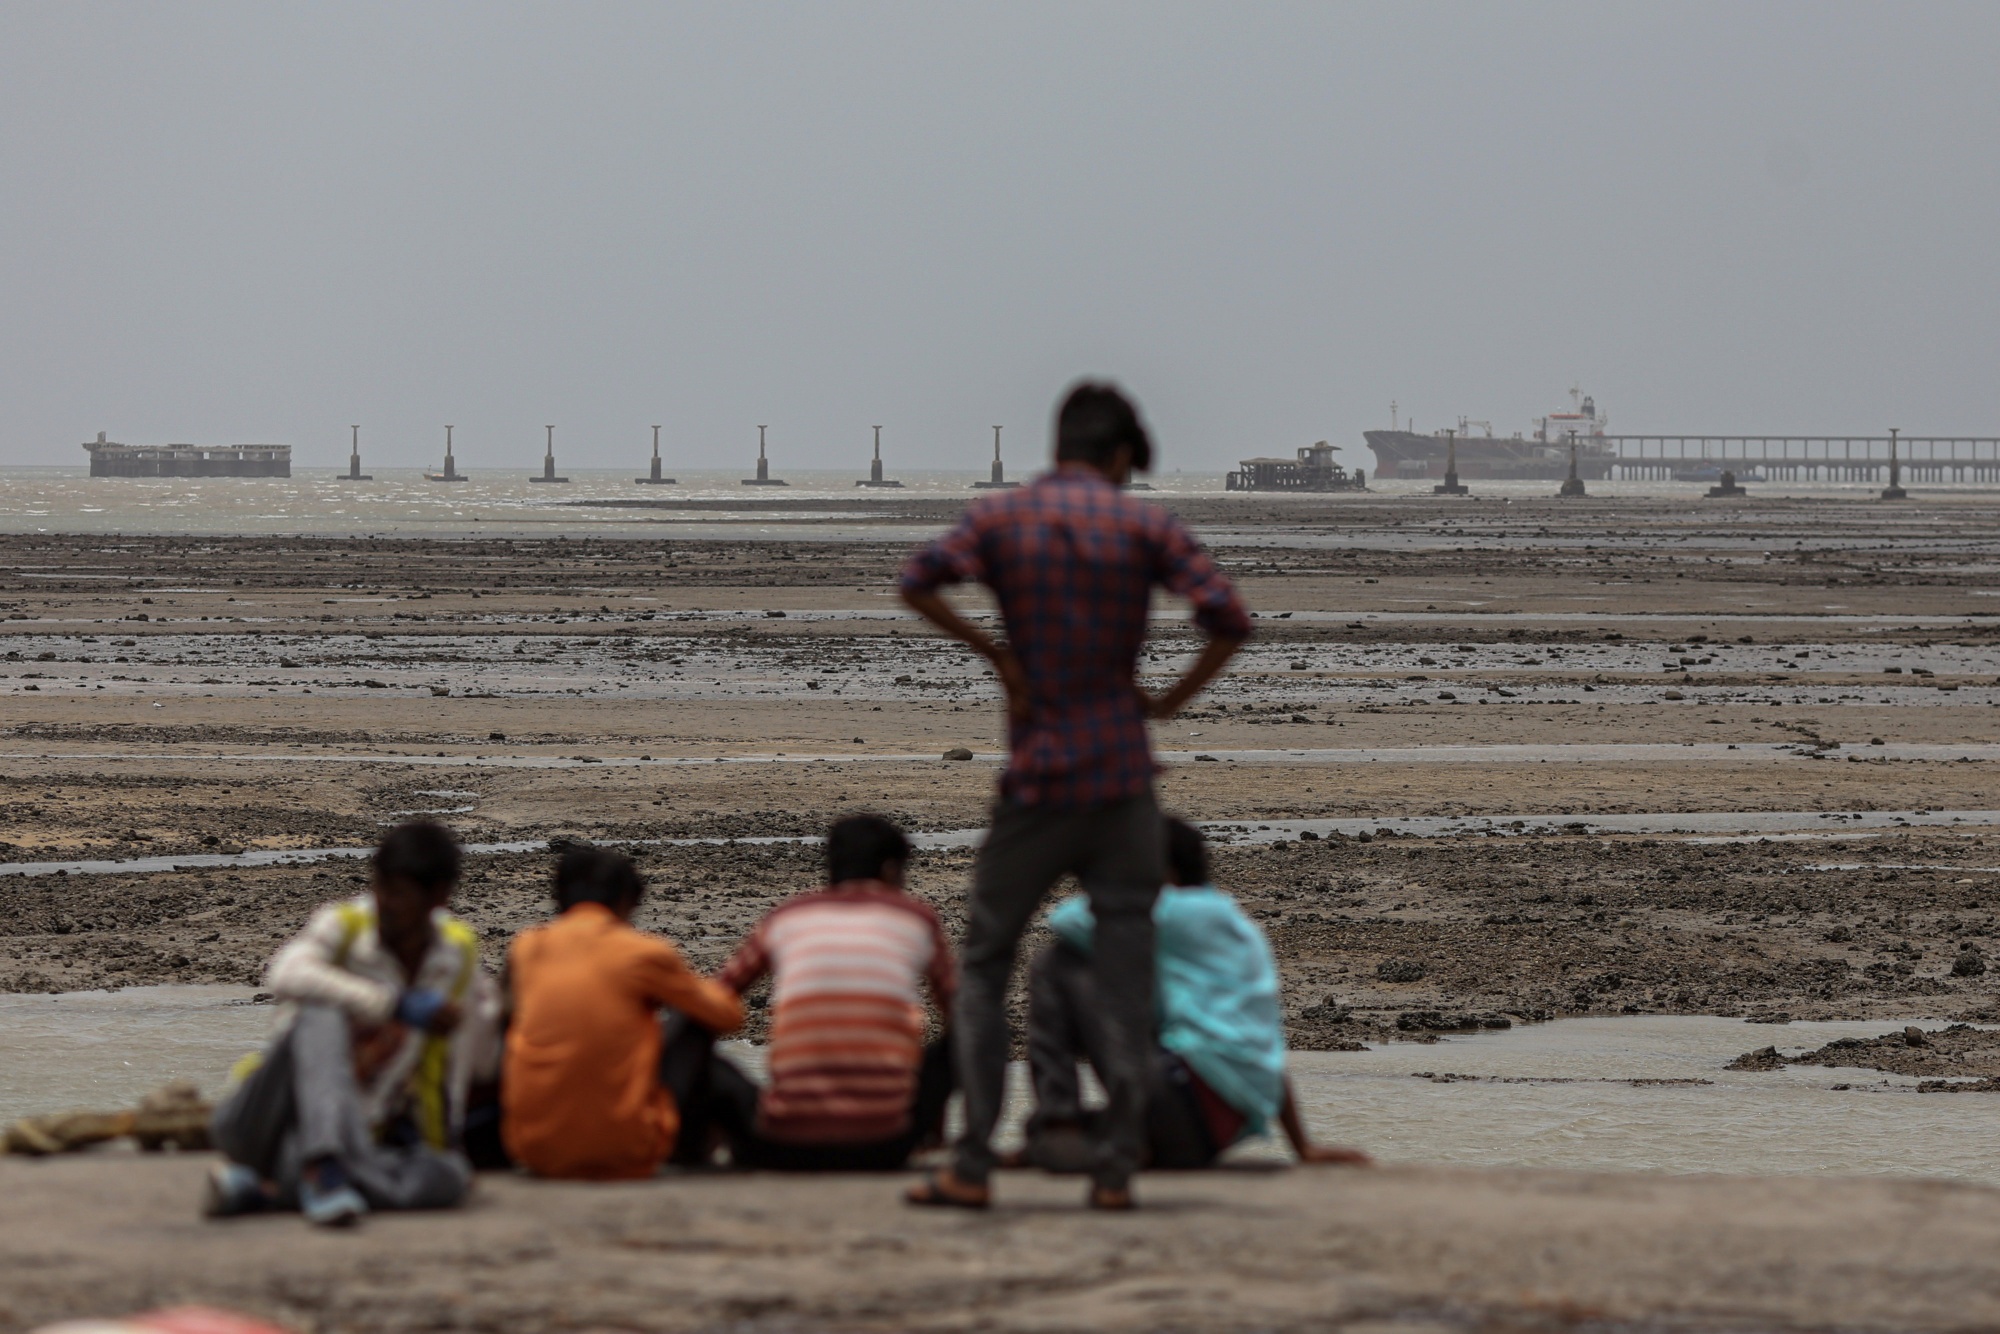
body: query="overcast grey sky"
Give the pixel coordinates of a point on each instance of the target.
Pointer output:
(224, 222)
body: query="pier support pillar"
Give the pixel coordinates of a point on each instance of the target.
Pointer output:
(1572, 487)
(1894, 491)
(1451, 486)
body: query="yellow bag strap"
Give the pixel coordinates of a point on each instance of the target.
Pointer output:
(354, 919)
(466, 941)
(428, 1081)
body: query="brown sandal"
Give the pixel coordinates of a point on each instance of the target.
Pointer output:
(945, 1191)
(1111, 1199)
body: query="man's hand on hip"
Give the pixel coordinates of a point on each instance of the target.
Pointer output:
(1215, 655)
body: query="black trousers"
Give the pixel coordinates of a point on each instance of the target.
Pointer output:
(714, 1095)
(1065, 1023)
(1118, 853)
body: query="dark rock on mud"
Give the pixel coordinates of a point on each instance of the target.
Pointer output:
(1434, 1021)
(1764, 1058)
(1960, 1052)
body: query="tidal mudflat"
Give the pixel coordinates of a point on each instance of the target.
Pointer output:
(1552, 811)
(1533, 689)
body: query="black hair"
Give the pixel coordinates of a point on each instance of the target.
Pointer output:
(859, 847)
(1187, 853)
(587, 874)
(423, 852)
(1094, 420)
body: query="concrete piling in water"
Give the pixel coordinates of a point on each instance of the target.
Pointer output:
(998, 481)
(875, 477)
(451, 472)
(1451, 485)
(763, 477)
(1572, 487)
(354, 473)
(656, 479)
(1894, 491)
(549, 461)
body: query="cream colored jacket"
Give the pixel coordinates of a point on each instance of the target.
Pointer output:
(339, 960)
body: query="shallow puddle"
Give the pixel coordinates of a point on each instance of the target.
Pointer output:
(1577, 1093)
(1699, 826)
(1704, 826)
(1576, 1111)
(104, 1050)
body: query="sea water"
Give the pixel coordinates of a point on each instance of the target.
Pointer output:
(500, 501)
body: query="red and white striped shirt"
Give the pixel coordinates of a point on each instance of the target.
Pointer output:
(847, 1027)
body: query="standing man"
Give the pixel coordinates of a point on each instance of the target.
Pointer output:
(1073, 561)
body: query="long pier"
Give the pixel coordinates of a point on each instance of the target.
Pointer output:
(1812, 458)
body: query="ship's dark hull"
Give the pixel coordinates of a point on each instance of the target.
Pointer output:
(171, 467)
(1407, 454)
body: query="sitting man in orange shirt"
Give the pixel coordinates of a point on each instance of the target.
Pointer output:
(583, 1093)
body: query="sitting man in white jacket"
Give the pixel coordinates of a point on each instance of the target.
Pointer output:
(358, 1101)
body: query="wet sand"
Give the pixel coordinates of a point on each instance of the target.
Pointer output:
(1415, 660)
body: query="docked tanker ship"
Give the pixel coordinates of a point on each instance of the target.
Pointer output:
(1544, 456)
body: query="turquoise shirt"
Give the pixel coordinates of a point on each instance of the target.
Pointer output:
(1215, 994)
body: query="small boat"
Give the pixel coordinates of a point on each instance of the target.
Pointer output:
(1711, 473)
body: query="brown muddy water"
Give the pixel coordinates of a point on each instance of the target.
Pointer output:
(103, 1050)
(1645, 1093)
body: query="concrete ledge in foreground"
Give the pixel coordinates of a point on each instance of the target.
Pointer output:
(1319, 1249)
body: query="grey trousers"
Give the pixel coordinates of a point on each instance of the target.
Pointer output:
(1064, 1023)
(302, 1105)
(1117, 852)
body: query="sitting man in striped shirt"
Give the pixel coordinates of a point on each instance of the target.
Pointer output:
(853, 1087)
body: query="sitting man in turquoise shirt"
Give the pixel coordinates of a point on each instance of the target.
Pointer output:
(1219, 1071)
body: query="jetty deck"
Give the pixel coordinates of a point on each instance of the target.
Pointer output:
(1808, 458)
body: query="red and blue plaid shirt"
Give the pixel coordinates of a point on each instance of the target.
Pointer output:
(1073, 561)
